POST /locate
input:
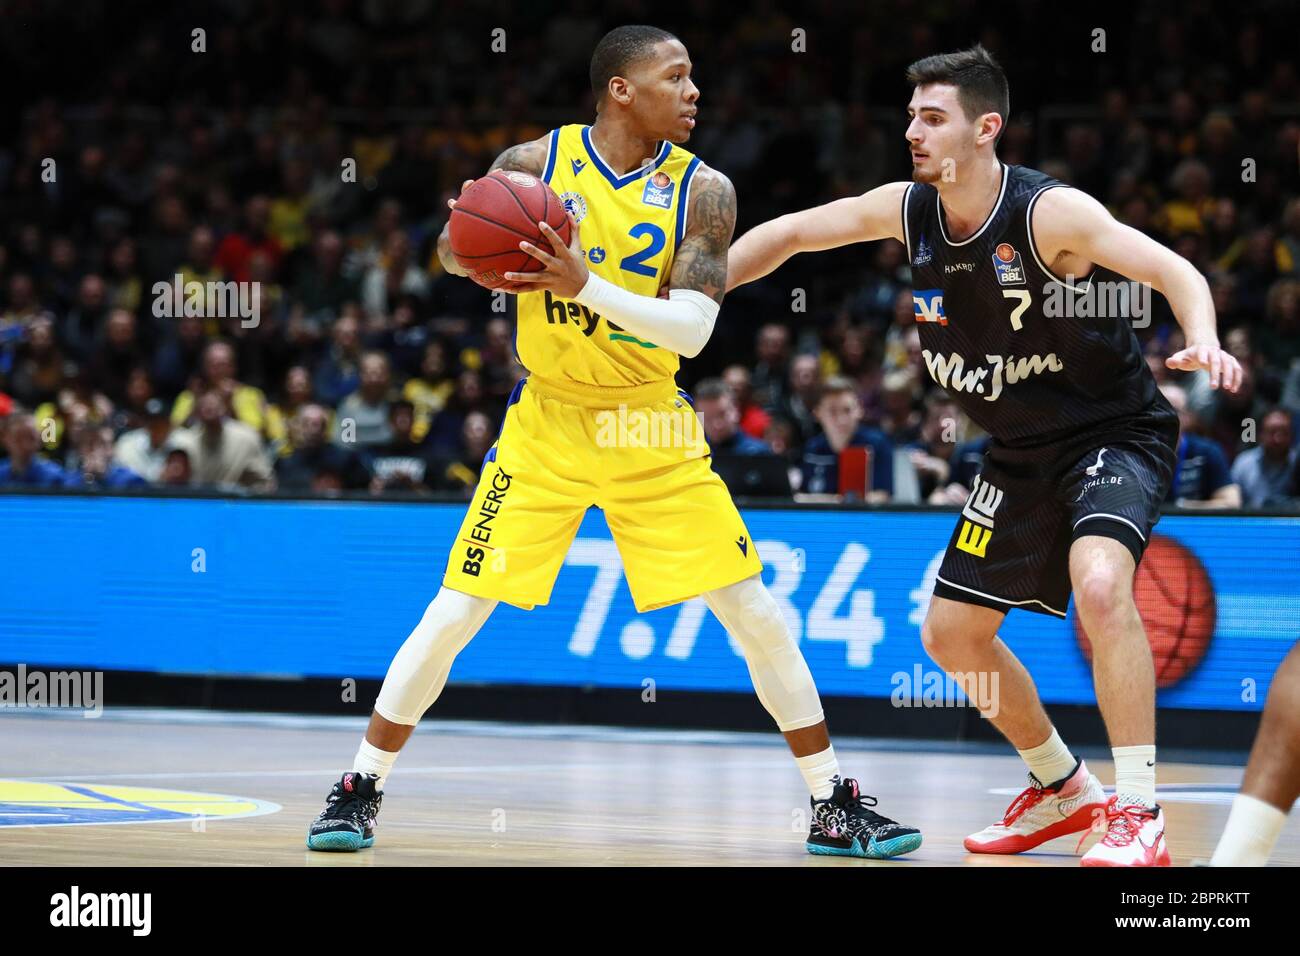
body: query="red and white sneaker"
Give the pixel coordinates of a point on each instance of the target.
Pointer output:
(1135, 836)
(1043, 813)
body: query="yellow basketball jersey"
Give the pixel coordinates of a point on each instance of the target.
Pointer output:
(630, 227)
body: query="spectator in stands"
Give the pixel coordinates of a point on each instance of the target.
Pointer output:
(428, 392)
(339, 373)
(393, 277)
(901, 422)
(402, 463)
(24, 467)
(932, 453)
(1201, 476)
(144, 450)
(296, 394)
(322, 288)
(716, 406)
(77, 402)
(770, 374)
(315, 463)
(38, 370)
(95, 464)
(799, 402)
(363, 416)
(224, 452)
(237, 249)
(1264, 472)
(840, 415)
(177, 471)
(448, 425)
(180, 357)
(117, 355)
(247, 402)
(753, 419)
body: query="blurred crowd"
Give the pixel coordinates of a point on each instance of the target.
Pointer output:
(370, 370)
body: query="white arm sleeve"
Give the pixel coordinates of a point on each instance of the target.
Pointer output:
(682, 324)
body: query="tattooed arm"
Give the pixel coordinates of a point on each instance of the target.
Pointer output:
(701, 261)
(527, 157)
(696, 283)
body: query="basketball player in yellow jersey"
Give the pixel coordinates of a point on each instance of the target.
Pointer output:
(600, 330)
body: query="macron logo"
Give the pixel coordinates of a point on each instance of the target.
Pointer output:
(577, 165)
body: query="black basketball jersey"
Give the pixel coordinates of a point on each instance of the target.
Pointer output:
(1025, 354)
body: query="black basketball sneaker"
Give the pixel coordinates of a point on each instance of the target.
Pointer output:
(845, 825)
(348, 821)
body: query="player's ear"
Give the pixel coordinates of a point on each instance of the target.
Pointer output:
(990, 126)
(620, 89)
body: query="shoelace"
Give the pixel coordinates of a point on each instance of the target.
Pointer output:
(1122, 824)
(341, 804)
(1029, 798)
(863, 808)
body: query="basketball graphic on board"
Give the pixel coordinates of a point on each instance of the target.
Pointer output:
(1175, 599)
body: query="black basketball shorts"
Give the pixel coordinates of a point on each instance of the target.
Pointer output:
(1011, 546)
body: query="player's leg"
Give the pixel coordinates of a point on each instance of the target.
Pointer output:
(680, 536)
(1062, 796)
(415, 678)
(1009, 550)
(510, 545)
(1272, 782)
(844, 822)
(1114, 493)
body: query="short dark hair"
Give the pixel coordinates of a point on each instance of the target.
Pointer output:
(617, 49)
(713, 388)
(981, 84)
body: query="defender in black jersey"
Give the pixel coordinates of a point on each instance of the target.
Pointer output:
(1025, 291)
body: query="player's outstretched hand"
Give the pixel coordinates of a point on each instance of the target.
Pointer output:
(564, 273)
(1225, 371)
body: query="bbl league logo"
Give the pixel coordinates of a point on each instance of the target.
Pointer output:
(575, 205)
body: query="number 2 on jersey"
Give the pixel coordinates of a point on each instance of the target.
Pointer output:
(635, 262)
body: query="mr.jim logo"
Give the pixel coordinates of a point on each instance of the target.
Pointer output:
(1006, 263)
(658, 191)
(928, 304)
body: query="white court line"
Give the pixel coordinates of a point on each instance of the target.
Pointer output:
(333, 772)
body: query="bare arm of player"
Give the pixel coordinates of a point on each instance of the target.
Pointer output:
(877, 214)
(701, 261)
(696, 283)
(527, 157)
(1069, 223)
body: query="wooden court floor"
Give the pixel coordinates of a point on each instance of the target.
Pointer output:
(501, 794)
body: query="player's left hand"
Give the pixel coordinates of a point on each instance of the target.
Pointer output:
(1225, 371)
(565, 272)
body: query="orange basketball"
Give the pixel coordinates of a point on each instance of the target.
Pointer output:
(1175, 599)
(493, 215)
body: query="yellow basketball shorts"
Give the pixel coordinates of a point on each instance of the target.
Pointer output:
(636, 453)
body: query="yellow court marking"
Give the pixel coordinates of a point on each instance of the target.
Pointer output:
(37, 803)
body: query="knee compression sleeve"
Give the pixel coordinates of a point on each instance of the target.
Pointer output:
(419, 670)
(781, 677)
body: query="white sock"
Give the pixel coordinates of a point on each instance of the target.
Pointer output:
(1253, 827)
(1050, 761)
(370, 759)
(1135, 774)
(817, 770)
